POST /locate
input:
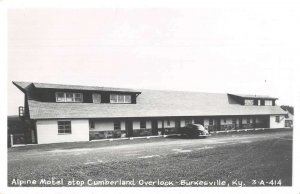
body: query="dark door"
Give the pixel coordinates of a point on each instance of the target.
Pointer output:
(266, 121)
(241, 123)
(129, 128)
(177, 123)
(218, 124)
(154, 127)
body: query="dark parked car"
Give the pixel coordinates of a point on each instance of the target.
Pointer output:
(194, 130)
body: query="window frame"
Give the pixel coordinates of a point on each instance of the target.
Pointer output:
(270, 103)
(56, 97)
(71, 97)
(117, 125)
(99, 98)
(120, 98)
(168, 123)
(234, 121)
(64, 126)
(188, 121)
(210, 121)
(248, 100)
(74, 97)
(128, 99)
(248, 120)
(143, 124)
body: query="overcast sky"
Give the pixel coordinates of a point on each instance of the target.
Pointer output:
(232, 49)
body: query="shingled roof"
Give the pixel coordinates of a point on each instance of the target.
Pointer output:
(254, 96)
(152, 103)
(23, 85)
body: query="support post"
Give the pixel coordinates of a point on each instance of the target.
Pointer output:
(11, 140)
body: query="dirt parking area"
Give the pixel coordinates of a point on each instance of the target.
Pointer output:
(257, 158)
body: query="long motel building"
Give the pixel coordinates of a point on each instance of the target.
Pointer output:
(69, 113)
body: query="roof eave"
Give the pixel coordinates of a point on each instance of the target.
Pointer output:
(19, 87)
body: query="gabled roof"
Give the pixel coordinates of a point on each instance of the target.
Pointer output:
(152, 103)
(23, 85)
(254, 96)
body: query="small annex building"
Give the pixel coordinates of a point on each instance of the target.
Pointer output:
(69, 113)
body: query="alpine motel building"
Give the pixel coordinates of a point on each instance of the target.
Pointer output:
(68, 113)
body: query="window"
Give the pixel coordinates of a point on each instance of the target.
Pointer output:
(68, 97)
(78, 97)
(188, 121)
(224, 120)
(92, 124)
(143, 124)
(127, 99)
(233, 121)
(113, 98)
(64, 127)
(277, 119)
(117, 125)
(117, 98)
(60, 97)
(249, 102)
(168, 122)
(248, 120)
(96, 98)
(211, 121)
(268, 102)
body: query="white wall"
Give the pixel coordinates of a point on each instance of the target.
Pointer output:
(274, 124)
(47, 131)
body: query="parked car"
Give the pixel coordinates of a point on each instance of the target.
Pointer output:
(194, 130)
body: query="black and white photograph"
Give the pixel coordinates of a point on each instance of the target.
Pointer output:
(114, 97)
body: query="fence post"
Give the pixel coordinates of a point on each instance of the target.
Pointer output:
(11, 140)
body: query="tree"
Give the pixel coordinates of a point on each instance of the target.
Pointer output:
(288, 108)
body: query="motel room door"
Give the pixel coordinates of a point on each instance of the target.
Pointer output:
(240, 123)
(154, 126)
(129, 128)
(218, 124)
(177, 123)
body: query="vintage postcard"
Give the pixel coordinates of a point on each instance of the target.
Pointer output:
(198, 98)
